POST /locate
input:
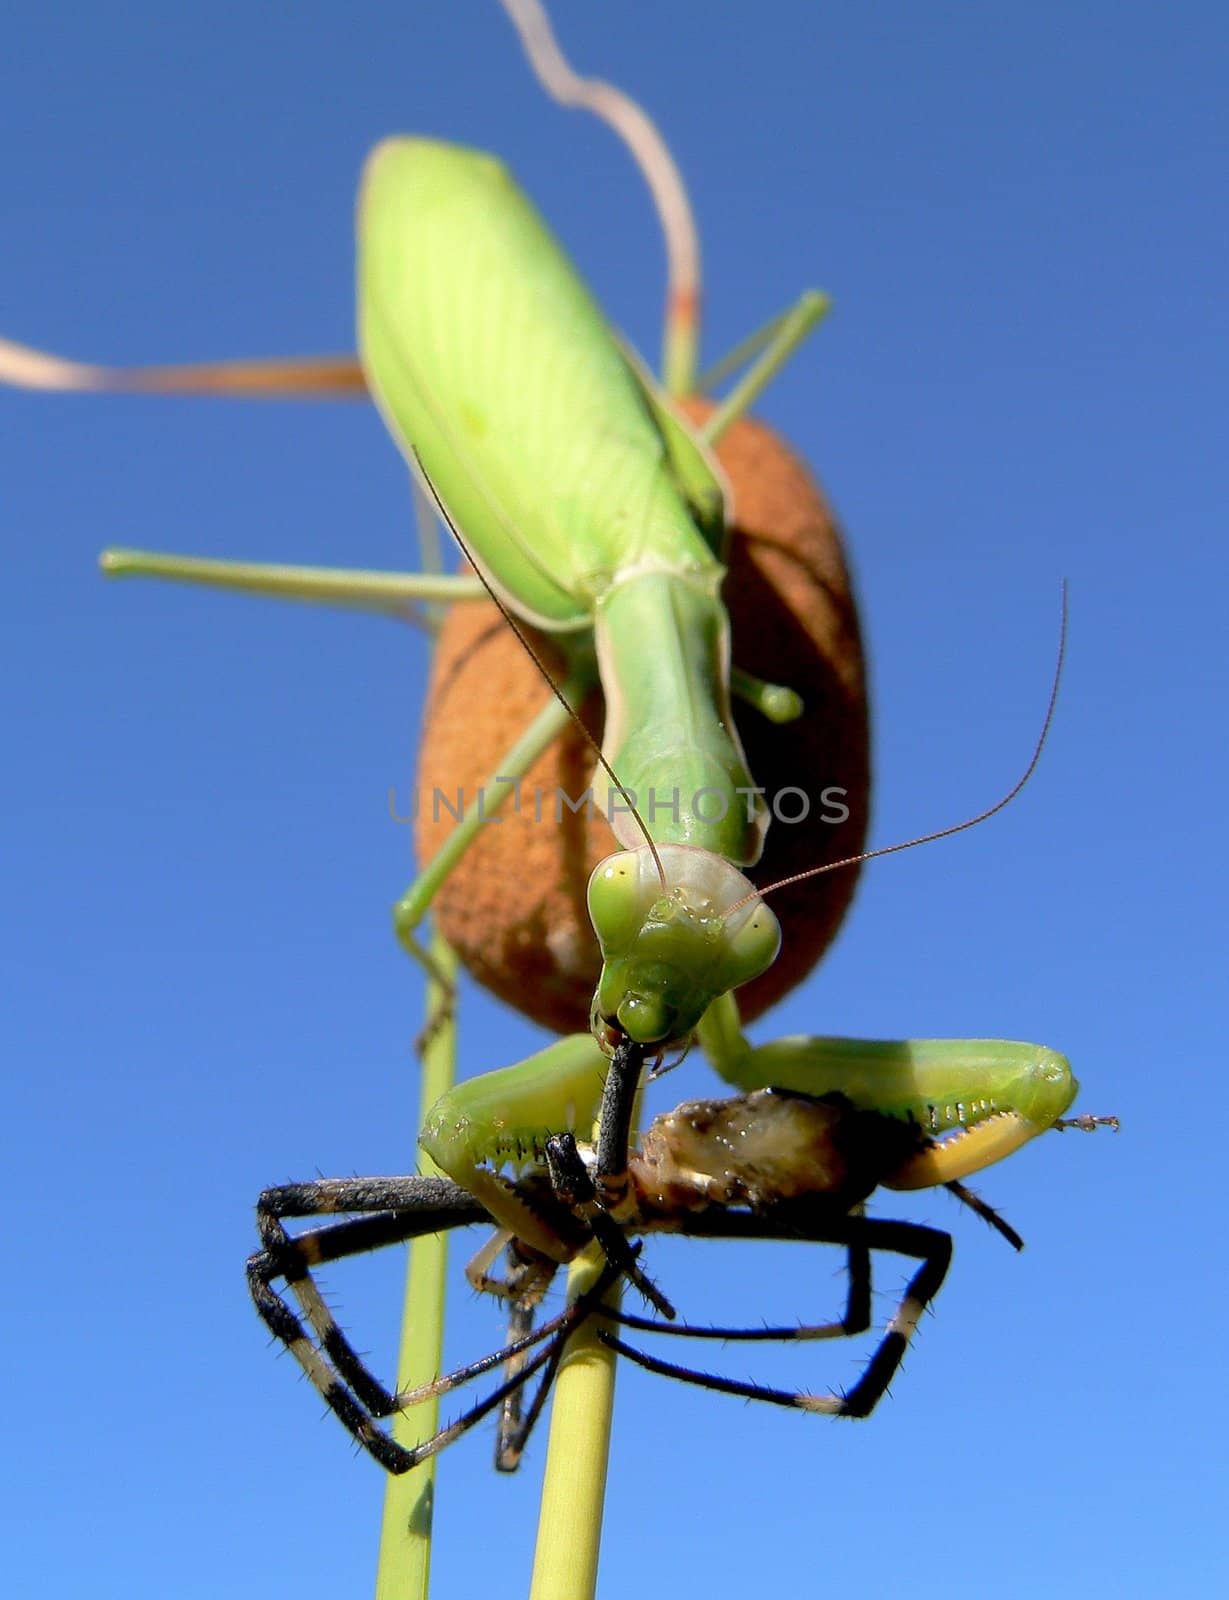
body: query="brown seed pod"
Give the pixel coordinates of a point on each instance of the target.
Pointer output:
(514, 908)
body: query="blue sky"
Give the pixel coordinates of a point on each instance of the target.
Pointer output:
(1019, 213)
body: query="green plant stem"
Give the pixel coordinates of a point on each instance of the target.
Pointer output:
(680, 348)
(574, 1486)
(404, 1567)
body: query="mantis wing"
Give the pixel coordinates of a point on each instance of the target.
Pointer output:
(493, 365)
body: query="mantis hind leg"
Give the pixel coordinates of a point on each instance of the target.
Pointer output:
(768, 350)
(928, 1245)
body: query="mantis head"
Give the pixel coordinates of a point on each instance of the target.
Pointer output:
(670, 948)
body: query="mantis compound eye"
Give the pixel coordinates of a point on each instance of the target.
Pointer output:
(617, 898)
(753, 945)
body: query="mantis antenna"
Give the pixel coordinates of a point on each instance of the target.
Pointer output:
(527, 645)
(957, 827)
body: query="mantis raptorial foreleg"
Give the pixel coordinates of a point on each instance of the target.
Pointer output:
(511, 1120)
(502, 1120)
(971, 1103)
(981, 1099)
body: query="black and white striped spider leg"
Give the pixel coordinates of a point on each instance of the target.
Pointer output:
(860, 1235)
(384, 1211)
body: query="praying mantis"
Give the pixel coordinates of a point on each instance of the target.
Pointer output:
(603, 520)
